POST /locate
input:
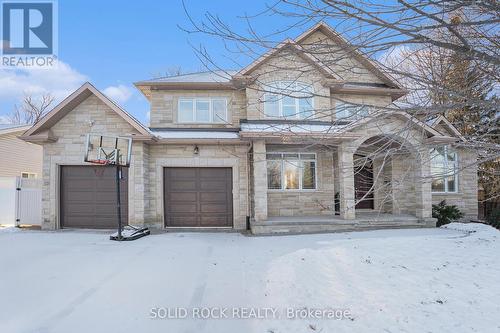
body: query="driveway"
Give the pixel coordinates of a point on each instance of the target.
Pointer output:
(425, 280)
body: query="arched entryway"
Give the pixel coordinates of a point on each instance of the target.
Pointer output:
(387, 169)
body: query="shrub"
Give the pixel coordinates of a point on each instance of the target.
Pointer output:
(493, 218)
(445, 213)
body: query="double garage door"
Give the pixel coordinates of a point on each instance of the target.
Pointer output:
(193, 197)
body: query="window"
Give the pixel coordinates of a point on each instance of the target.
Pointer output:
(288, 99)
(202, 110)
(291, 171)
(28, 175)
(350, 111)
(444, 166)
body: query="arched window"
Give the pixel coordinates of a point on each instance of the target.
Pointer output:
(289, 100)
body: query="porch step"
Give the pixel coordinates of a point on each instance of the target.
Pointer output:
(287, 228)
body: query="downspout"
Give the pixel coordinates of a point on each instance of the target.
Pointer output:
(249, 201)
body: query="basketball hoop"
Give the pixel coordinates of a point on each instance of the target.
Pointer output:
(104, 150)
(99, 168)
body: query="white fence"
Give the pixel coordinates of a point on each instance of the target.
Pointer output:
(20, 201)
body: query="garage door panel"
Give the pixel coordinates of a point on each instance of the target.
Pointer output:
(182, 197)
(203, 192)
(182, 221)
(184, 208)
(213, 208)
(215, 221)
(182, 185)
(214, 197)
(88, 197)
(213, 185)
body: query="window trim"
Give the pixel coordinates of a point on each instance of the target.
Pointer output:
(445, 165)
(29, 173)
(281, 96)
(210, 100)
(282, 160)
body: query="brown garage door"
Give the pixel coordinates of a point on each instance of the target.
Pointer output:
(88, 197)
(198, 197)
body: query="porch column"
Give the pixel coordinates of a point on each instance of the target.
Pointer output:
(423, 181)
(259, 180)
(346, 182)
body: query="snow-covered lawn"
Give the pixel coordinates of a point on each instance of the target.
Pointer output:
(427, 280)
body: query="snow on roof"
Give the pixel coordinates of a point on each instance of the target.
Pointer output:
(292, 128)
(218, 76)
(169, 134)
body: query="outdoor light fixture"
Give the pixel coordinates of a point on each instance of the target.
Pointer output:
(196, 150)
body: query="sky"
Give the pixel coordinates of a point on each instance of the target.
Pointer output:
(115, 43)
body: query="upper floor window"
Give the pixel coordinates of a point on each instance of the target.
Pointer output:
(202, 110)
(288, 99)
(444, 166)
(291, 171)
(350, 111)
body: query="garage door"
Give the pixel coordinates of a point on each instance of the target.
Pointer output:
(88, 197)
(198, 197)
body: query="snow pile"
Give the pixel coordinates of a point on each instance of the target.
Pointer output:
(479, 229)
(422, 280)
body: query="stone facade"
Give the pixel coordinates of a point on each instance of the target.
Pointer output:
(90, 116)
(402, 182)
(164, 107)
(466, 197)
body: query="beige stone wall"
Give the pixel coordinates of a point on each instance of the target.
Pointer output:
(162, 155)
(335, 57)
(305, 202)
(466, 198)
(164, 107)
(69, 149)
(287, 66)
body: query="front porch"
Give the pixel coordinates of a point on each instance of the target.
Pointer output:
(364, 220)
(371, 183)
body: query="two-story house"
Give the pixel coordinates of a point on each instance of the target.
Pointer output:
(278, 146)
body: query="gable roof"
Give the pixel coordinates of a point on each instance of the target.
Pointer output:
(72, 101)
(366, 61)
(298, 49)
(447, 123)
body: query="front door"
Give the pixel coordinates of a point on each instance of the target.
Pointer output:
(363, 182)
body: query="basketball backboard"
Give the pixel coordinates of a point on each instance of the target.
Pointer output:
(108, 150)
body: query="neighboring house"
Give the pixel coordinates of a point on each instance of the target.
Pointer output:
(19, 158)
(225, 149)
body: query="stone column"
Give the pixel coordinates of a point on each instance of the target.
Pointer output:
(260, 180)
(346, 182)
(423, 195)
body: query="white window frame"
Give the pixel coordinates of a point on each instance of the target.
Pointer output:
(292, 86)
(282, 172)
(445, 176)
(210, 101)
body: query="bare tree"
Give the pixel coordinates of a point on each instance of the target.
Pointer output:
(32, 109)
(444, 53)
(174, 70)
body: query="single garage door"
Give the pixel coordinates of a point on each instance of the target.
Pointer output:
(198, 197)
(88, 197)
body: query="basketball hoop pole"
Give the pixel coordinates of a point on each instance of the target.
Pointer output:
(118, 201)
